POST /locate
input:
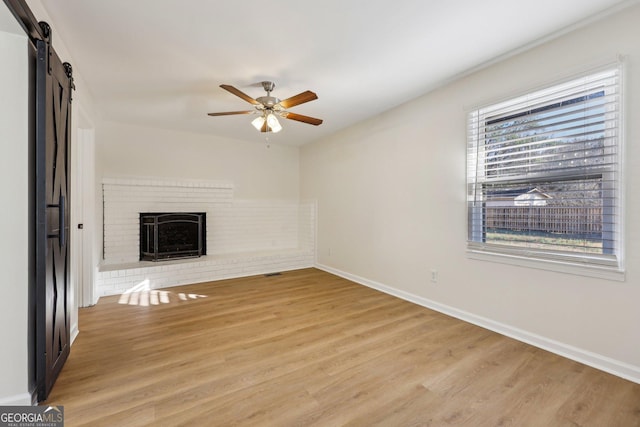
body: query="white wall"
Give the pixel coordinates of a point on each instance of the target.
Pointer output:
(256, 172)
(14, 226)
(391, 207)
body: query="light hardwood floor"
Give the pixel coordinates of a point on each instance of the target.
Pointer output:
(307, 348)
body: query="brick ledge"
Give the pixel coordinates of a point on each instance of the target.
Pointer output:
(117, 278)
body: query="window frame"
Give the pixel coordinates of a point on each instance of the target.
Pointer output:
(608, 266)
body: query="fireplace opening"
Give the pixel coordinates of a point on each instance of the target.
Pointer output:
(171, 235)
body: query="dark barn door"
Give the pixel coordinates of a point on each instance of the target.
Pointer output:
(53, 134)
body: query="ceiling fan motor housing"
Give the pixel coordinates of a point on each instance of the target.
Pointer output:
(268, 101)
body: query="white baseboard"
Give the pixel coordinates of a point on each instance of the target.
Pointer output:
(23, 399)
(595, 360)
(74, 332)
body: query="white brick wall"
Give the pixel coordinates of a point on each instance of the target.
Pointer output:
(125, 199)
(244, 237)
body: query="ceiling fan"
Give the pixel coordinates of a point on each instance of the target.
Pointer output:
(269, 107)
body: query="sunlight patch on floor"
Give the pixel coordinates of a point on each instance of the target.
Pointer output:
(142, 295)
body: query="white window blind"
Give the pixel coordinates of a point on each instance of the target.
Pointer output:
(543, 174)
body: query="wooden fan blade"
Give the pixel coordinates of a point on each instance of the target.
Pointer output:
(303, 119)
(228, 113)
(239, 93)
(298, 99)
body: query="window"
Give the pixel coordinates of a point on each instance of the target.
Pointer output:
(543, 176)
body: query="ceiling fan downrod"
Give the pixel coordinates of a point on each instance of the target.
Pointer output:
(268, 101)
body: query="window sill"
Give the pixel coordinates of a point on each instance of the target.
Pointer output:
(600, 272)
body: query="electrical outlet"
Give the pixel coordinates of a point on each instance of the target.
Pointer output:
(434, 276)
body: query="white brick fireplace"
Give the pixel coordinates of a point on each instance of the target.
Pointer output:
(244, 237)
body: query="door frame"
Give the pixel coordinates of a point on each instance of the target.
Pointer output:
(83, 211)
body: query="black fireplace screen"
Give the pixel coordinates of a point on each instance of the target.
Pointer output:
(172, 235)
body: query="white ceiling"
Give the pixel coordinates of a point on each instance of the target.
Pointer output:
(160, 62)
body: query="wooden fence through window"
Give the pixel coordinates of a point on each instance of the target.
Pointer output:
(547, 219)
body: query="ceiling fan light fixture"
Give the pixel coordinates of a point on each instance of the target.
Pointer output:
(273, 123)
(258, 122)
